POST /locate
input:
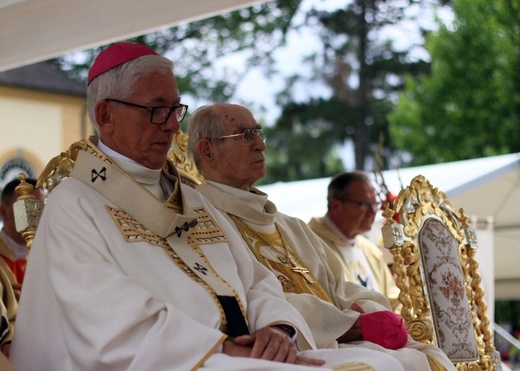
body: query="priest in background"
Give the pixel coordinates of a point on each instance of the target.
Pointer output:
(351, 210)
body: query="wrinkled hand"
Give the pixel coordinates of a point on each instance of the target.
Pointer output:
(234, 350)
(274, 345)
(271, 344)
(354, 333)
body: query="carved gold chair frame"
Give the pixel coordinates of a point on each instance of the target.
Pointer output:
(421, 224)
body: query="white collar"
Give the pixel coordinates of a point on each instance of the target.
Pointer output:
(254, 197)
(140, 173)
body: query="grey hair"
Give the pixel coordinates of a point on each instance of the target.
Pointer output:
(338, 186)
(118, 83)
(206, 122)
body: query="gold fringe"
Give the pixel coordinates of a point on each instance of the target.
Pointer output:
(353, 366)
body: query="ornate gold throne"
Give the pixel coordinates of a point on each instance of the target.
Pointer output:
(28, 209)
(433, 248)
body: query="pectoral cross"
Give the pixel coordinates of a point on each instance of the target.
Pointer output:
(296, 268)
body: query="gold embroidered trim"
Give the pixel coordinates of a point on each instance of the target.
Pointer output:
(187, 270)
(353, 366)
(90, 148)
(132, 230)
(434, 364)
(205, 232)
(209, 353)
(296, 276)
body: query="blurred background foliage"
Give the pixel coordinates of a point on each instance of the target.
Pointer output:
(460, 99)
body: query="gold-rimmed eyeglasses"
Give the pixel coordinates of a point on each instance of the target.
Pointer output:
(248, 135)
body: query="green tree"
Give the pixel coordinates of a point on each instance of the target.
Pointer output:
(469, 104)
(255, 32)
(303, 151)
(353, 50)
(363, 71)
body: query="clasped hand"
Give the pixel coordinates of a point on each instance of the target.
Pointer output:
(270, 344)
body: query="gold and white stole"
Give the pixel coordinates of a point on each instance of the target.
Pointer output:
(294, 275)
(156, 218)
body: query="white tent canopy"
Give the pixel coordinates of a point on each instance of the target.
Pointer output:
(36, 30)
(487, 188)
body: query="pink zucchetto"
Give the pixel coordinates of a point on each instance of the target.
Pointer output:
(115, 55)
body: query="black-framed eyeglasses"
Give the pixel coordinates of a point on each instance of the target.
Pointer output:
(365, 205)
(248, 135)
(158, 114)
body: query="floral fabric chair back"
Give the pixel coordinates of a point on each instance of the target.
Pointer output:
(433, 248)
